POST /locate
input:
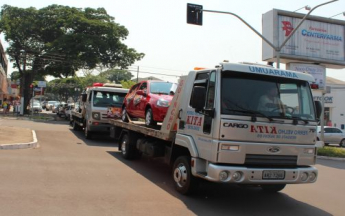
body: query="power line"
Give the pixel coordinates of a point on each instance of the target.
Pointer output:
(157, 68)
(134, 71)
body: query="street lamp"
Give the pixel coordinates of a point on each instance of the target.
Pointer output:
(305, 7)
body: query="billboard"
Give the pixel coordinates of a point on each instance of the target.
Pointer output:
(317, 40)
(317, 71)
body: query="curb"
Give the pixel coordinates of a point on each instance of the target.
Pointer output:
(33, 144)
(330, 158)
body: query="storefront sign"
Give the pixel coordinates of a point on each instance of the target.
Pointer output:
(317, 71)
(312, 39)
(328, 99)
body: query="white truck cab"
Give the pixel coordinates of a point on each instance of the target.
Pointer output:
(96, 102)
(240, 135)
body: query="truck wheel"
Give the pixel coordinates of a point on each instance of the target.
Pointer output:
(272, 188)
(124, 117)
(149, 118)
(128, 151)
(87, 133)
(75, 126)
(185, 182)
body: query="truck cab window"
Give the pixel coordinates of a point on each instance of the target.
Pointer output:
(210, 91)
(210, 95)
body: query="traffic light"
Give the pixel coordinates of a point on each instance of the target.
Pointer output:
(194, 14)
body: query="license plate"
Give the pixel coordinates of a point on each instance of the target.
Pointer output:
(273, 174)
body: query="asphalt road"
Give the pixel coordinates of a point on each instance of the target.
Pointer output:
(69, 175)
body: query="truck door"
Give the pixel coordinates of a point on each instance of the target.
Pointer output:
(88, 104)
(200, 124)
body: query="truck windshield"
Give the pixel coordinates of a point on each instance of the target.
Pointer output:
(273, 97)
(107, 99)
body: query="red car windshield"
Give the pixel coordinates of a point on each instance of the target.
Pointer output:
(162, 87)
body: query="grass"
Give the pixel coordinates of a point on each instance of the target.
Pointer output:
(40, 117)
(331, 152)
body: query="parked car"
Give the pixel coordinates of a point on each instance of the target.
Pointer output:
(36, 108)
(68, 110)
(332, 135)
(43, 104)
(59, 108)
(149, 100)
(50, 105)
(55, 107)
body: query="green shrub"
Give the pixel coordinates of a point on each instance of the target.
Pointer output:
(331, 152)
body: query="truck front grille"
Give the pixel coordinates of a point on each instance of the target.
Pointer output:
(271, 160)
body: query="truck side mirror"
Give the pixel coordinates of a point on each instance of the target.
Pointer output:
(83, 97)
(318, 107)
(198, 98)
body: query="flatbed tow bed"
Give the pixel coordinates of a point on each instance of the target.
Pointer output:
(140, 127)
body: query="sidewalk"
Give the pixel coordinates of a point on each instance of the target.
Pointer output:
(17, 138)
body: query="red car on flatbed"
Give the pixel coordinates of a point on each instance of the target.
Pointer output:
(148, 100)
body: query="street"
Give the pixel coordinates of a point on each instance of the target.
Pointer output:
(69, 175)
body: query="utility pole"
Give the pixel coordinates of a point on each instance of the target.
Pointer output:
(138, 74)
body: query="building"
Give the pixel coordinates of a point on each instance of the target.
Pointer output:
(334, 111)
(3, 74)
(145, 78)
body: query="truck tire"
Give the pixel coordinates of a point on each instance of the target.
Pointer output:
(185, 182)
(75, 126)
(127, 148)
(272, 188)
(87, 133)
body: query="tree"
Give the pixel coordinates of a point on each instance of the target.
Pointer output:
(117, 75)
(127, 84)
(64, 88)
(60, 40)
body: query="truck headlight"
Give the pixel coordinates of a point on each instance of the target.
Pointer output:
(312, 177)
(308, 151)
(230, 147)
(304, 176)
(224, 175)
(96, 115)
(162, 102)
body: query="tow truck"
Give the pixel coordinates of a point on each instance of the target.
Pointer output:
(214, 129)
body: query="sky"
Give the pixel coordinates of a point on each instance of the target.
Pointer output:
(173, 47)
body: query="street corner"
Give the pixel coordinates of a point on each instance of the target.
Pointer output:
(17, 138)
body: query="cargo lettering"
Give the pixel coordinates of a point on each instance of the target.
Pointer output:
(263, 129)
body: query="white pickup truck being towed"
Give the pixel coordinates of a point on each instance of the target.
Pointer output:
(237, 124)
(93, 114)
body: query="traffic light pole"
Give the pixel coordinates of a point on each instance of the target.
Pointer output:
(32, 103)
